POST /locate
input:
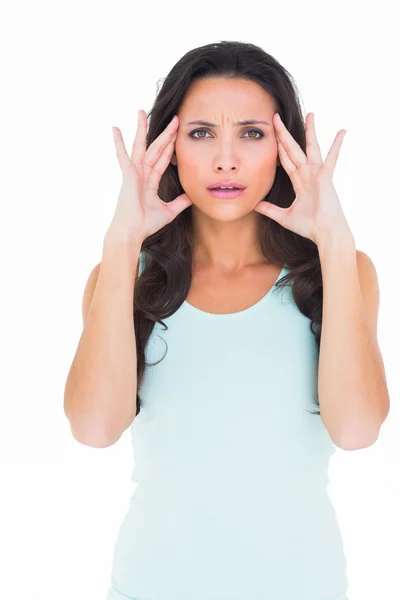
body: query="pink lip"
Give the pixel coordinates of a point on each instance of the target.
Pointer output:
(226, 184)
(226, 193)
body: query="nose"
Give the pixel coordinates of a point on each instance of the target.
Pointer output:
(226, 159)
(226, 162)
(227, 169)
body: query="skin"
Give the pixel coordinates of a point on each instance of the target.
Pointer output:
(225, 230)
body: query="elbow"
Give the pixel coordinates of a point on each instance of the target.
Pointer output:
(94, 442)
(356, 441)
(92, 438)
(357, 433)
(351, 444)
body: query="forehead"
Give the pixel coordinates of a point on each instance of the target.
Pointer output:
(229, 98)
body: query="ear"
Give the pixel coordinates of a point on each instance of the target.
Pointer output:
(173, 159)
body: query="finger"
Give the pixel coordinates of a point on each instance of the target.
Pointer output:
(333, 154)
(139, 143)
(313, 150)
(156, 172)
(286, 163)
(122, 155)
(158, 146)
(291, 147)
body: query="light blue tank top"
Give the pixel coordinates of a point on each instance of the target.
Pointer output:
(232, 471)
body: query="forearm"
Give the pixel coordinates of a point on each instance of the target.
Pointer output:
(352, 386)
(100, 394)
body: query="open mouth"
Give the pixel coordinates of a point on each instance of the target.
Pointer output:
(226, 193)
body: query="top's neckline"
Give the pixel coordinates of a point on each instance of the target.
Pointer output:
(239, 312)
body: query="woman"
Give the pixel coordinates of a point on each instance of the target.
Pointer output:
(231, 457)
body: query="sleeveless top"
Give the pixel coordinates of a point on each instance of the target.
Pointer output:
(231, 500)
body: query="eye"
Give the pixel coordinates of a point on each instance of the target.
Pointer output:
(191, 134)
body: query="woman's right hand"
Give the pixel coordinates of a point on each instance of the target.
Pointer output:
(140, 212)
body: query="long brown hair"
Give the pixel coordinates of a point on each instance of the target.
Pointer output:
(167, 255)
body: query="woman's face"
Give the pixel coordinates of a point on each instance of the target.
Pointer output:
(245, 154)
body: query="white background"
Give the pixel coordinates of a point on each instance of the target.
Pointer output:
(71, 71)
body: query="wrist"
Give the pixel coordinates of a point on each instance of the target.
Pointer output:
(132, 240)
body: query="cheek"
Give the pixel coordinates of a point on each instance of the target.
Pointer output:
(186, 158)
(267, 162)
(181, 150)
(189, 166)
(264, 171)
(265, 154)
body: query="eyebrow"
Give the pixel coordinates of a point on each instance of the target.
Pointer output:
(236, 124)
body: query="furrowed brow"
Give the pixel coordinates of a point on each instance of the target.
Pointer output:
(236, 124)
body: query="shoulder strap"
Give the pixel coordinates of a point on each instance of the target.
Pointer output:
(141, 262)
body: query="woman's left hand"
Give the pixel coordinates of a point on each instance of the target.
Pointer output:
(316, 209)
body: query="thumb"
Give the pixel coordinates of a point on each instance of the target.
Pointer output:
(276, 213)
(179, 204)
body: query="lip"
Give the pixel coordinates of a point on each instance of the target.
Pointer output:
(226, 193)
(226, 183)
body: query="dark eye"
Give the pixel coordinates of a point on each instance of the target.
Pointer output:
(261, 134)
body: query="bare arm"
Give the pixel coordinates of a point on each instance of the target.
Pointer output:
(100, 392)
(352, 385)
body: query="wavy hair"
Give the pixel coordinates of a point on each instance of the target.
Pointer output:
(166, 277)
